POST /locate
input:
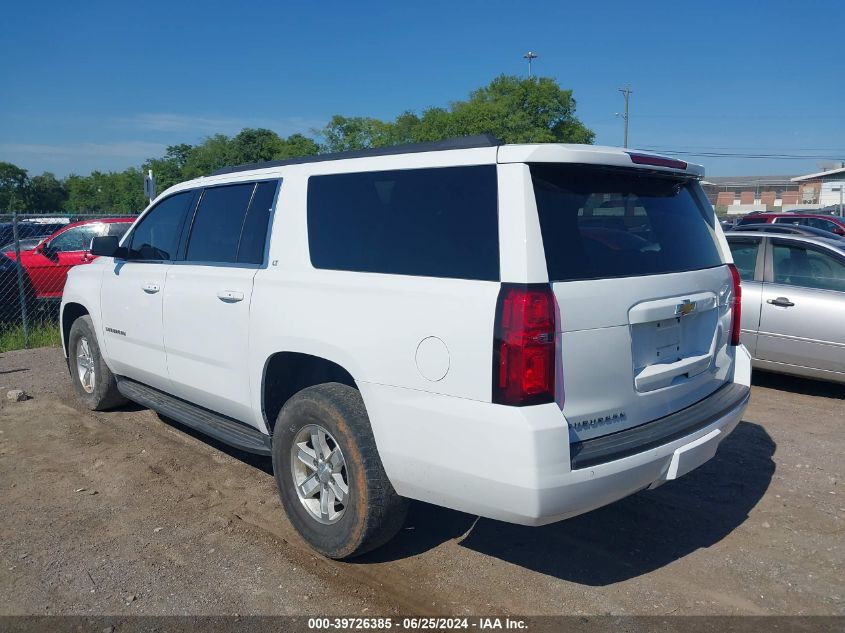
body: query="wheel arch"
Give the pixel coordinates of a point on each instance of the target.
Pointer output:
(286, 373)
(70, 313)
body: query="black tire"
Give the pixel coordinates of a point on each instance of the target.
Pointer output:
(373, 512)
(104, 394)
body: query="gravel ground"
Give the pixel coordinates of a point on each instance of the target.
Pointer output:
(126, 513)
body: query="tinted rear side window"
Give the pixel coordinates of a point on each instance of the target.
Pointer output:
(254, 232)
(425, 222)
(599, 223)
(217, 225)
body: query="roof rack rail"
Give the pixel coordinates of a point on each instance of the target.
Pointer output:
(460, 142)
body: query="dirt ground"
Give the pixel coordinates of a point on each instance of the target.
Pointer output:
(127, 513)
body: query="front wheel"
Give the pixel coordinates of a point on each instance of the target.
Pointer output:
(331, 480)
(93, 382)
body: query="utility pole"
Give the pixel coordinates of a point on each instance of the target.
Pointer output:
(529, 56)
(626, 91)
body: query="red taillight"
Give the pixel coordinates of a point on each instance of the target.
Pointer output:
(657, 161)
(524, 345)
(736, 305)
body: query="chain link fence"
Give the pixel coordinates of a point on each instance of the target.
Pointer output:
(36, 253)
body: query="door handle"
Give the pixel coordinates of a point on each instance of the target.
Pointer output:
(230, 296)
(151, 288)
(782, 302)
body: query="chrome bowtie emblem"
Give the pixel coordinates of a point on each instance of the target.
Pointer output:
(683, 309)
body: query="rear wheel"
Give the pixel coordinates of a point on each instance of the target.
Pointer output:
(331, 480)
(93, 381)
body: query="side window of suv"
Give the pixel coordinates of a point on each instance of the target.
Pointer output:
(256, 223)
(440, 222)
(231, 222)
(216, 229)
(796, 265)
(156, 237)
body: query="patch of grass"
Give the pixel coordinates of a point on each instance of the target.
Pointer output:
(40, 335)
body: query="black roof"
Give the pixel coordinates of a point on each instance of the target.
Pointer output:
(461, 142)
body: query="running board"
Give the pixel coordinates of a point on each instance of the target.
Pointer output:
(218, 426)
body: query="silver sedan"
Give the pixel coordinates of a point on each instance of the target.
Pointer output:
(793, 302)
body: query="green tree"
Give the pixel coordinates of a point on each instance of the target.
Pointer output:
(168, 170)
(515, 110)
(297, 145)
(109, 192)
(350, 133)
(14, 188)
(47, 193)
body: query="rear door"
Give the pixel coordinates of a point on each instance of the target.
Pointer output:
(207, 298)
(643, 291)
(803, 308)
(749, 257)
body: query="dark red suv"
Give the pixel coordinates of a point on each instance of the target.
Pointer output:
(48, 263)
(831, 223)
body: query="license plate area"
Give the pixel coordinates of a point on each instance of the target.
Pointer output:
(672, 340)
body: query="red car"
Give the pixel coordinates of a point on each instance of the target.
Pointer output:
(830, 223)
(48, 263)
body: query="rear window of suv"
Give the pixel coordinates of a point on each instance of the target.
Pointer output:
(440, 222)
(605, 222)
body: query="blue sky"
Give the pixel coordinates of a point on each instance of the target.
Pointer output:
(104, 85)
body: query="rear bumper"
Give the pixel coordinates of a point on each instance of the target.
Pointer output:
(514, 463)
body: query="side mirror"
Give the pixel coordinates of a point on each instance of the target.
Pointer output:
(106, 246)
(839, 231)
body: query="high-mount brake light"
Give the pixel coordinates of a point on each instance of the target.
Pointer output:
(657, 161)
(736, 305)
(524, 345)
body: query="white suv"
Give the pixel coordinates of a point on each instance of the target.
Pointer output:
(522, 332)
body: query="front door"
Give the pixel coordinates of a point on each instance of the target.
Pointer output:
(132, 292)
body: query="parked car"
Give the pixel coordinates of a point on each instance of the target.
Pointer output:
(789, 229)
(793, 302)
(514, 331)
(10, 295)
(30, 228)
(827, 223)
(48, 263)
(25, 244)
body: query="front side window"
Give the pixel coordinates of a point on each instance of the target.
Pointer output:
(78, 238)
(438, 222)
(156, 236)
(799, 265)
(745, 256)
(603, 222)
